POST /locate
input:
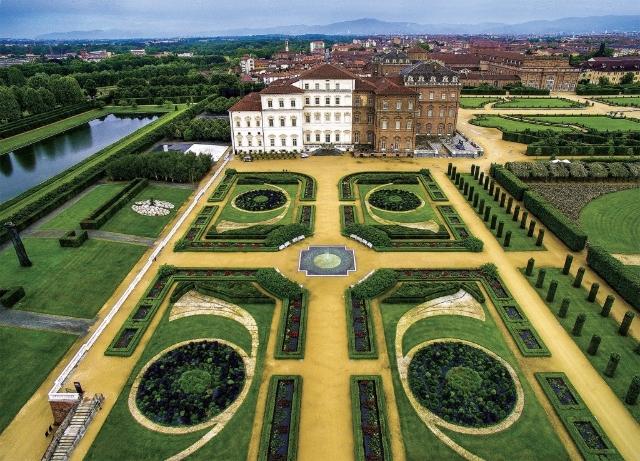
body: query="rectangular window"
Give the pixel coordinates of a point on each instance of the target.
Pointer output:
(306, 86)
(357, 102)
(337, 100)
(356, 137)
(283, 142)
(282, 122)
(258, 122)
(294, 141)
(356, 117)
(307, 100)
(327, 101)
(326, 85)
(317, 101)
(385, 105)
(249, 142)
(370, 137)
(398, 105)
(430, 94)
(272, 142)
(327, 137)
(430, 113)
(317, 137)
(337, 86)
(327, 117)
(369, 118)
(337, 137)
(307, 118)
(293, 103)
(410, 105)
(453, 96)
(269, 103)
(308, 137)
(238, 123)
(249, 123)
(409, 124)
(397, 124)
(281, 103)
(441, 112)
(317, 86)
(337, 117)
(270, 122)
(384, 124)
(443, 96)
(294, 121)
(451, 112)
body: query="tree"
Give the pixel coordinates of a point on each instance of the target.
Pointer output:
(627, 79)
(90, 87)
(66, 90)
(32, 101)
(15, 76)
(604, 81)
(9, 107)
(603, 51)
(38, 81)
(48, 99)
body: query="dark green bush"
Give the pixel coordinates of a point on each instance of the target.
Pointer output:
(161, 166)
(473, 244)
(377, 283)
(277, 284)
(515, 186)
(105, 211)
(10, 296)
(73, 238)
(371, 234)
(555, 220)
(285, 233)
(616, 274)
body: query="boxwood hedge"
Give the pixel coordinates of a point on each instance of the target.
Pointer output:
(376, 284)
(616, 274)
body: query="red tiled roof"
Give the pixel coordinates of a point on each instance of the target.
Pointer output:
(250, 103)
(281, 88)
(486, 76)
(451, 58)
(327, 71)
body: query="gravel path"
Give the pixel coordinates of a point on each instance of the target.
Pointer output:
(37, 321)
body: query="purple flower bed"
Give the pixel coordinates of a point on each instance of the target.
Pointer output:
(125, 338)
(372, 439)
(590, 435)
(307, 193)
(305, 216)
(529, 339)
(562, 391)
(513, 313)
(349, 215)
(281, 421)
(291, 340)
(360, 325)
(141, 312)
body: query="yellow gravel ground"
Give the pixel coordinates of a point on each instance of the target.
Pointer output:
(325, 424)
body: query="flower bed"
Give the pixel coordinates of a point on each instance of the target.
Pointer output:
(394, 200)
(279, 440)
(360, 326)
(583, 428)
(191, 384)
(370, 425)
(462, 384)
(260, 200)
(290, 343)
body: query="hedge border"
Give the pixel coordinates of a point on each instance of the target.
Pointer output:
(284, 312)
(353, 353)
(381, 404)
(98, 217)
(624, 281)
(74, 238)
(160, 287)
(568, 414)
(10, 296)
(267, 420)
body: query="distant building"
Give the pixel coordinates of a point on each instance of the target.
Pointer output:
(316, 46)
(390, 63)
(247, 64)
(611, 68)
(95, 56)
(141, 52)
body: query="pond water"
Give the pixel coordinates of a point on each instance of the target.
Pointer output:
(27, 167)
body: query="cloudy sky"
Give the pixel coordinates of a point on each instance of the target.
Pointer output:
(28, 18)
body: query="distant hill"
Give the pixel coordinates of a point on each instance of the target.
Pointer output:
(368, 26)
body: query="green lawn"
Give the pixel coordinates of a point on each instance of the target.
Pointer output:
(127, 221)
(606, 328)
(231, 213)
(121, 437)
(596, 122)
(469, 102)
(71, 217)
(519, 239)
(531, 437)
(504, 124)
(40, 351)
(422, 214)
(613, 221)
(625, 101)
(68, 281)
(537, 103)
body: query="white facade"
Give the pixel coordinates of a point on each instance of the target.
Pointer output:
(247, 64)
(316, 45)
(296, 121)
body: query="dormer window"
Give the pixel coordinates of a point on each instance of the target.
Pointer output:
(445, 79)
(421, 79)
(433, 79)
(454, 79)
(410, 79)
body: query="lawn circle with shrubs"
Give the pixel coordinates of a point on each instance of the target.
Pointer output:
(190, 384)
(394, 200)
(260, 200)
(462, 384)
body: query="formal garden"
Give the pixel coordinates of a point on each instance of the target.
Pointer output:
(254, 212)
(445, 349)
(402, 211)
(622, 101)
(195, 387)
(538, 103)
(470, 102)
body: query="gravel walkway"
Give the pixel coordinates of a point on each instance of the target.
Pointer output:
(37, 321)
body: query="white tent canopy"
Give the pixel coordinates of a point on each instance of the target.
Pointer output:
(216, 152)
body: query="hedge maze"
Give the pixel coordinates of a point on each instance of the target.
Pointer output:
(253, 212)
(402, 211)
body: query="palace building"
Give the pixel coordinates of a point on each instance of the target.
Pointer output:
(329, 106)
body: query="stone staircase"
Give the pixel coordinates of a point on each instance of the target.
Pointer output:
(72, 429)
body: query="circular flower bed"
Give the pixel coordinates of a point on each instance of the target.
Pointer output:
(394, 200)
(261, 200)
(191, 384)
(152, 207)
(462, 384)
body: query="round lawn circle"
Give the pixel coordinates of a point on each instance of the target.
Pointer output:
(260, 200)
(191, 384)
(462, 384)
(327, 260)
(394, 200)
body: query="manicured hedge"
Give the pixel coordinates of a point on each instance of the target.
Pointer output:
(555, 220)
(576, 170)
(371, 234)
(616, 274)
(10, 296)
(376, 284)
(36, 121)
(103, 213)
(285, 234)
(73, 238)
(276, 283)
(510, 182)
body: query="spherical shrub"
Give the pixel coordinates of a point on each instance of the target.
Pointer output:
(260, 200)
(394, 200)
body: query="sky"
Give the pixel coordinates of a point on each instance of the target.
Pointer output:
(29, 18)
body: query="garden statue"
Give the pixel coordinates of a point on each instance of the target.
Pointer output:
(17, 244)
(460, 145)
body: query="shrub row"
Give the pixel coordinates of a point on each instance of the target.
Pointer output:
(620, 277)
(419, 292)
(555, 220)
(161, 166)
(45, 118)
(277, 284)
(10, 296)
(376, 284)
(575, 170)
(511, 183)
(109, 208)
(285, 234)
(376, 237)
(259, 231)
